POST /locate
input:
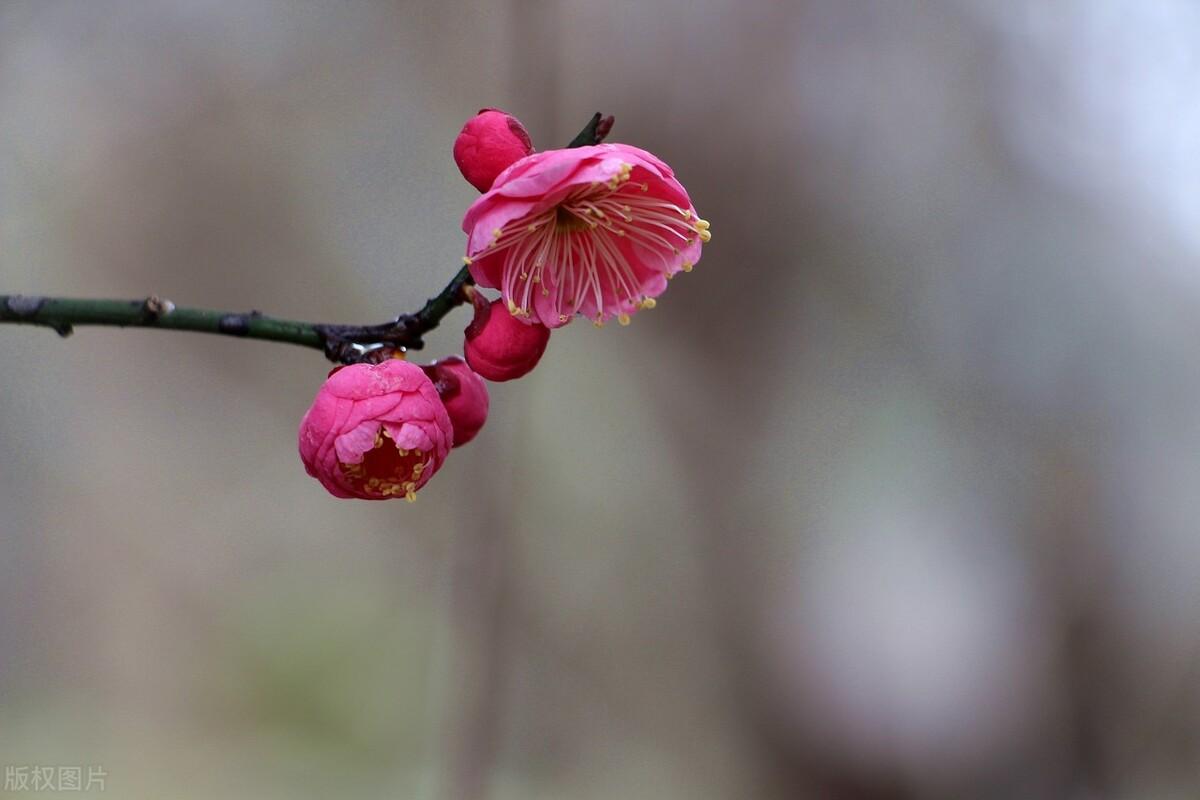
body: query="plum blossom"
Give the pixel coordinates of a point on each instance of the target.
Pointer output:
(594, 230)
(489, 142)
(498, 346)
(463, 393)
(375, 431)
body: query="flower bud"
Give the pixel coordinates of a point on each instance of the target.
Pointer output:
(375, 431)
(490, 142)
(499, 346)
(463, 393)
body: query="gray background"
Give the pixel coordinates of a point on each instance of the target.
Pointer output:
(895, 496)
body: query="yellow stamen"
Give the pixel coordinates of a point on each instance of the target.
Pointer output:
(649, 303)
(623, 319)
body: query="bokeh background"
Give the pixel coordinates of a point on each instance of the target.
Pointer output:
(895, 496)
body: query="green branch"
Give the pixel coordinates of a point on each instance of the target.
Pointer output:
(345, 344)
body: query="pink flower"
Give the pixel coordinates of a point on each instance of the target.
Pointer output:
(375, 431)
(489, 142)
(591, 230)
(463, 393)
(499, 347)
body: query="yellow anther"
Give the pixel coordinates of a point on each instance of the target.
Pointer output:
(598, 322)
(702, 224)
(524, 275)
(687, 266)
(467, 261)
(403, 452)
(649, 303)
(496, 233)
(537, 278)
(512, 307)
(705, 235)
(562, 317)
(623, 319)
(411, 497)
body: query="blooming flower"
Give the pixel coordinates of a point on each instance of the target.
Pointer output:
(463, 393)
(592, 230)
(499, 347)
(375, 431)
(489, 142)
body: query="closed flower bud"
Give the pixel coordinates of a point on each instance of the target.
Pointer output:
(375, 431)
(501, 347)
(463, 393)
(490, 142)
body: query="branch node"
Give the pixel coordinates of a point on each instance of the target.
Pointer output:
(25, 307)
(234, 325)
(155, 308)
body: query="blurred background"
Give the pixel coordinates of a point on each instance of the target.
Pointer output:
(895, 496)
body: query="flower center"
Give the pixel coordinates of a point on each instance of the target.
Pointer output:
(386, 470)
(566, 221)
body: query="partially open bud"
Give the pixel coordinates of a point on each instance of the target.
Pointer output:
(375, 431)
(488, 144)
(463, 393)
(500, 347)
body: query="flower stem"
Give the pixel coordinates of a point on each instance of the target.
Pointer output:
(345, 344)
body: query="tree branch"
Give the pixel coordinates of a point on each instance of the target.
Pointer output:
(344, 344)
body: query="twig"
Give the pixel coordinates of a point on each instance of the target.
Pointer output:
(344, 344)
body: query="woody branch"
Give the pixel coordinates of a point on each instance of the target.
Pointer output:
(344, 344)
